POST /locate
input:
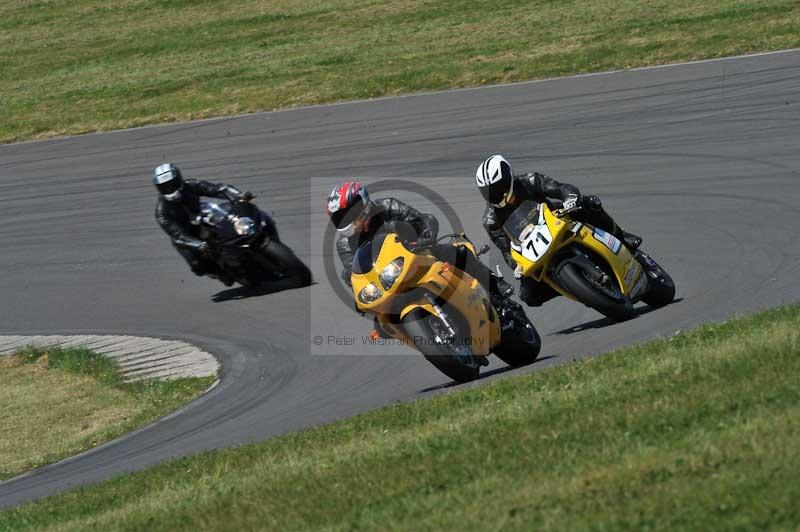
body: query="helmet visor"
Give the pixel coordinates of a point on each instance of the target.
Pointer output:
(347, 221)
(507, 198)
(344, 217)
(169, 187)
(499, 194)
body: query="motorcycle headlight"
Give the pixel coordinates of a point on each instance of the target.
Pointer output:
(369, 294)
(391, 272)
(244, 226)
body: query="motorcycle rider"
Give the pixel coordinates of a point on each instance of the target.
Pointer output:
(504, 191)
(358, 219)
(178, 206)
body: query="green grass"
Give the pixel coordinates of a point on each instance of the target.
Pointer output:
(73, 66)
(700, 431)
(57, 402)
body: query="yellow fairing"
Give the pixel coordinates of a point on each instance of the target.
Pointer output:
(561, 237)
(462, 292)
(626, 269)
(564, 232)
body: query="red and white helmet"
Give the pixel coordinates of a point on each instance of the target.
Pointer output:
(349, 206)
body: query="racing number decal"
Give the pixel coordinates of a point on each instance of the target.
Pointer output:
(538, 239)
(537, 242)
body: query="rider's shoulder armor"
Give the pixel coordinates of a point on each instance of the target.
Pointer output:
(385, 205)
(530, 185)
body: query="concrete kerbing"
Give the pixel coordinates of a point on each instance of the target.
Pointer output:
(139, 358)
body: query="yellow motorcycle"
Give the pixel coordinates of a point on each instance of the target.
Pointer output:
(437, 309)
(584, 263)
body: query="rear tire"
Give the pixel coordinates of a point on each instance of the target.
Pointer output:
(522, 348)
(285, 264)
(575, 281)
(660, 291)
(519, 346)
(417, 327)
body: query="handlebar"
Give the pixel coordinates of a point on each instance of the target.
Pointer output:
(559, 213)
(417, 246)
(451, 236)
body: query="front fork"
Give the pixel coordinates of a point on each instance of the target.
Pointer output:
(467, 359)
(448, 323)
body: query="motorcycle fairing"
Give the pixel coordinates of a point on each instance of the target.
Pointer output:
(566, 233)
(423, 272)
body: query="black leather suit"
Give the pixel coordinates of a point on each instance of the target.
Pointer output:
(175, 218)
(538, 187)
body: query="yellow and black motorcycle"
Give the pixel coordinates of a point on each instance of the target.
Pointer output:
(584, 263)
(437, 309)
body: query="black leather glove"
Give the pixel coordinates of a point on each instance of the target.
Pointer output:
(426, 240)
(234, 194)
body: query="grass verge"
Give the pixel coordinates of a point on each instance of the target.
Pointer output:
(151, 61)
(699, 431)
(57, 402)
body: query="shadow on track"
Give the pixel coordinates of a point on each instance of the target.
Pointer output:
(243, 292)
(605, 322)
(485, 375)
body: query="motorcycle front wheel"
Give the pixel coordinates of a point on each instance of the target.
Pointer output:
(452, 357)
(605, 299)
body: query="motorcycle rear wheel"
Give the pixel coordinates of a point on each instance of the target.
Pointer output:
(285, 264)
(444, 356)
(520, 347)
(660, 291)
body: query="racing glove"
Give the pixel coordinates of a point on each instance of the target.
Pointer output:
(426, 240)
(234, 194)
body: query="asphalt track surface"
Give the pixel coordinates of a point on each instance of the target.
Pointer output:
(701, 159)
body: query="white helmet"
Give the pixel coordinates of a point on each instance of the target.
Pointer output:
(495, 180)
(168, 180)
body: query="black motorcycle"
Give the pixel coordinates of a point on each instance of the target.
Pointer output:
(243, 241)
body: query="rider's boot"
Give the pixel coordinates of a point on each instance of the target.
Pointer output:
(511, 314)
(597, 216)
(631, 241)
(501, 300)
(502, 288)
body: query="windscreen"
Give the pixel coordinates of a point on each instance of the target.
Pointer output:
(367, 254)
(525, 215)
(213, 210)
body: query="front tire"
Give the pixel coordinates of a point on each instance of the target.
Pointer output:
(285, 264)
(609, 301)
(446, 357)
